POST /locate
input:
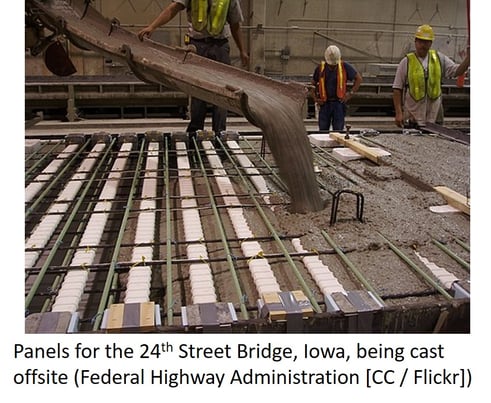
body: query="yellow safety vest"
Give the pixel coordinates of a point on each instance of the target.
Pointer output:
(212, 18)
(419, 87)
(340, 82)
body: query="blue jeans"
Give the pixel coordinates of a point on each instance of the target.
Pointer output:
(218, 50)
(332, 112)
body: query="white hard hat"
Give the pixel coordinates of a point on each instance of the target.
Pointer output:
(332, 55)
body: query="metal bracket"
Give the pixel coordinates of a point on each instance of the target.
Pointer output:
(360, 201)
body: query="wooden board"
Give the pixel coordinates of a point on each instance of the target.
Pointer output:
(455, 199)
(280, 306)
(372, 153)
(132, 316)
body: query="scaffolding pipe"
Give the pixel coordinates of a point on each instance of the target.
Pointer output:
(416, 268)
(352, 267)
(112, 267)
(226, 248)
(59, 240)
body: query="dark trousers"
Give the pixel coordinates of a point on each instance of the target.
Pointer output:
(332, 113)
(218, 50)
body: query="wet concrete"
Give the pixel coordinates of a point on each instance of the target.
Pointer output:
(275, 107)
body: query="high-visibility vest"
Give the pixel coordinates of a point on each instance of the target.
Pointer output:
(212, 18)
(199, 14)
(419, 86)
(341, 80)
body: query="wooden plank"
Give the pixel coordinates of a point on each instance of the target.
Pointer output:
(304, 303)
(285, 305)
(373, 154)
(115, 318)
(455, 199)
(131, 316)
(147, 314)
(274, 306)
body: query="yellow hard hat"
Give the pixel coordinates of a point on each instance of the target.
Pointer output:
(425, 32)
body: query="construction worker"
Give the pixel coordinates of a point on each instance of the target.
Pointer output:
(330, 90)
(211, 23)
(419, 75)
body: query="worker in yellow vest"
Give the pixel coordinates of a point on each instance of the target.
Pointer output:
(211, 24)
(330, 90)
(417, 86)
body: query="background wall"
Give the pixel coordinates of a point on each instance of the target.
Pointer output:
(286, 38)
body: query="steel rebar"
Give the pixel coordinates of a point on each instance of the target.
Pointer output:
(453, 255)
(416, 268)
(63, 232)
(170, 297)
(55, 180)
(117, 246)
(352, 267)
(267, 222)
(223, 235)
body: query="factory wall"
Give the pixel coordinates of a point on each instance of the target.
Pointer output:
(286, 38)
